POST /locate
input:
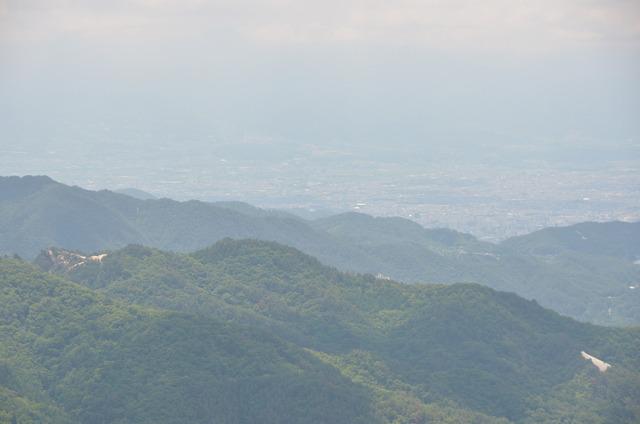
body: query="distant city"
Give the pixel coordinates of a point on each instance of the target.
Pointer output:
(490, 202)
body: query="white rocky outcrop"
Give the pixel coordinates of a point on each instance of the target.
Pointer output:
(598, 363)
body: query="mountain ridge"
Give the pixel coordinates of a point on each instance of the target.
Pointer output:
(37, 212)
(487, 351)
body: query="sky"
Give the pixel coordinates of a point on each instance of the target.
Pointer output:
(368, 74)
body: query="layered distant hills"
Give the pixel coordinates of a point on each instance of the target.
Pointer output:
(585, 271)
(252, 331)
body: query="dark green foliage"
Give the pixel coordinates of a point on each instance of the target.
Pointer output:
(72, 352)
(252, 331)
(414, 348)
(591, 397)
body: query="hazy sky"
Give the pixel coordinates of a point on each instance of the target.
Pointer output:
(416, 73)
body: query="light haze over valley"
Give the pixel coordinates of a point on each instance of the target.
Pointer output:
(495, 119)
(319, 212)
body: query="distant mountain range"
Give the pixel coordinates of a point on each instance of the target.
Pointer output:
(585, 271)
(252, 331)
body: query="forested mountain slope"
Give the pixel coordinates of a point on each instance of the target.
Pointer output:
(617, 239)
(71, 355)
(589, 276)
(37, 212)
(586, 279)
(486, 351)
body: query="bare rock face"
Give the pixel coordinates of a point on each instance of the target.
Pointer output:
(598, 363)
(60, 260)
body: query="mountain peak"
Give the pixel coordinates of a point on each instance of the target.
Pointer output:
(258, 251)
(15, 187)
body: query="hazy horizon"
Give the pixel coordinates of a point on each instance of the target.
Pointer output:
(412, 108)
(420, 75)
(506, 120)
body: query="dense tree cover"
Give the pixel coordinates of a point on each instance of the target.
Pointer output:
(16, 409)
(417, 351)
(71, 355)
(581, 271)
(589, 398)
